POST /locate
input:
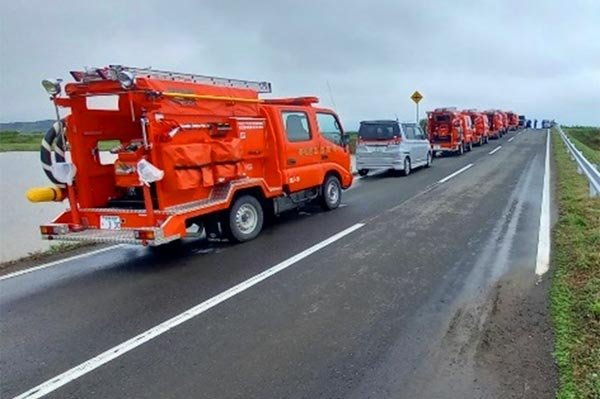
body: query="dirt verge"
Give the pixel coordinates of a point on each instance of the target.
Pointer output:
(515, 346)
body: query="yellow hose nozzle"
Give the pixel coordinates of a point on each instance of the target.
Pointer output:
(45, 194)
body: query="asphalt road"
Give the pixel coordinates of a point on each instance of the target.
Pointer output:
(378, 313)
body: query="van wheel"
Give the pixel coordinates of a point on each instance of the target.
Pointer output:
(246, 219)
(331, 193)
(429, 160)
(407, 168)
(363, 172)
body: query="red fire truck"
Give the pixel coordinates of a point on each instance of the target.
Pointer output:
(450, 130)
(189, 151)
(480, 122)
(495, 123)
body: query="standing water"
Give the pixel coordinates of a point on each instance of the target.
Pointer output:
(20, 232)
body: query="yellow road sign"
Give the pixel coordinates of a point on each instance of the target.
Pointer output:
(416, 97)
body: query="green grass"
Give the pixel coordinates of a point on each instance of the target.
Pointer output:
(15, 141)
(575, 292)
(587, 140)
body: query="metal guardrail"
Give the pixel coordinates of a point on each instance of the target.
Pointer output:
(583, 165)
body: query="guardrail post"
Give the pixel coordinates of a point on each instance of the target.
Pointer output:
(593, 192)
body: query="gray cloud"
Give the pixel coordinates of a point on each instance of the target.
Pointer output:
(541, 60)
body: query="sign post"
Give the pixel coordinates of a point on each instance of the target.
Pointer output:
(417, 97)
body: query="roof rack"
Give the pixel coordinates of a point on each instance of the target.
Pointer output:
(111, 72)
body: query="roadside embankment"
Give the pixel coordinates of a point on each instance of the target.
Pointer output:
(575, 291)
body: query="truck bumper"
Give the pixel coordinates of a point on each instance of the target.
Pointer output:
(143, 236)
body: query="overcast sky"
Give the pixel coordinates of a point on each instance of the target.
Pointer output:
(540, 58)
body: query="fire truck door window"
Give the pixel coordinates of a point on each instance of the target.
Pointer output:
(296, 126)
(329, 128)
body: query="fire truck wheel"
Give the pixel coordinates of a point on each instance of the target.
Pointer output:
(429, 160)
(470, 146)
(331, 195)
(246, 219)
(407, 168)
(461, 149)
(363, 172)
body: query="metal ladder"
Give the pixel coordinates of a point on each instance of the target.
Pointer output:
(260, 87)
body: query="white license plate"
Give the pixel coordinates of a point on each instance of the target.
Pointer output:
(110, 222)
(437, 147)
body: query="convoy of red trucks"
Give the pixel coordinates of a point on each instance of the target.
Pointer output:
(450, 130)
(190, 150)
(201, 153)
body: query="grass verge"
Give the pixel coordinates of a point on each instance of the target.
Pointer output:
(15, 141)
(587, 140)
(575, 292)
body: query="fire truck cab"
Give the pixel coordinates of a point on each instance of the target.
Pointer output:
(450, 130)
(190, 151)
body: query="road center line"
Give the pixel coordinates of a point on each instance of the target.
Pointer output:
(113, 353)
(495, 150)
(511, 139)
(542, 263)
(445, 179)
(60, 261)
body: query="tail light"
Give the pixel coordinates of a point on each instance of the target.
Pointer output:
(146, 235)
(54, 229)
(397, 140)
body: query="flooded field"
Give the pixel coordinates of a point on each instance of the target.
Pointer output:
(19, 235)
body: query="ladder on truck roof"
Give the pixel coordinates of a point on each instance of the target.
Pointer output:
(111, 73)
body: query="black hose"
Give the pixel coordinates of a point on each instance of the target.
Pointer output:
(55, 136)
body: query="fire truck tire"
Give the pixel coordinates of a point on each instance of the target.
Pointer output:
(461, 149)
(407, 167)
(363, 172)
(246, 218)
(470, 146)
(331, 193)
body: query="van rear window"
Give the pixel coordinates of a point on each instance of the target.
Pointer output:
(378, 131)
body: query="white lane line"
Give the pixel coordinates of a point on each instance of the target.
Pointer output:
(445, 179)
(60, 261)
(495, 150)
(111, 354)
(542, 263)
(511, 139)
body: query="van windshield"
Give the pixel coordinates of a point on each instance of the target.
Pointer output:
(378, 130)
